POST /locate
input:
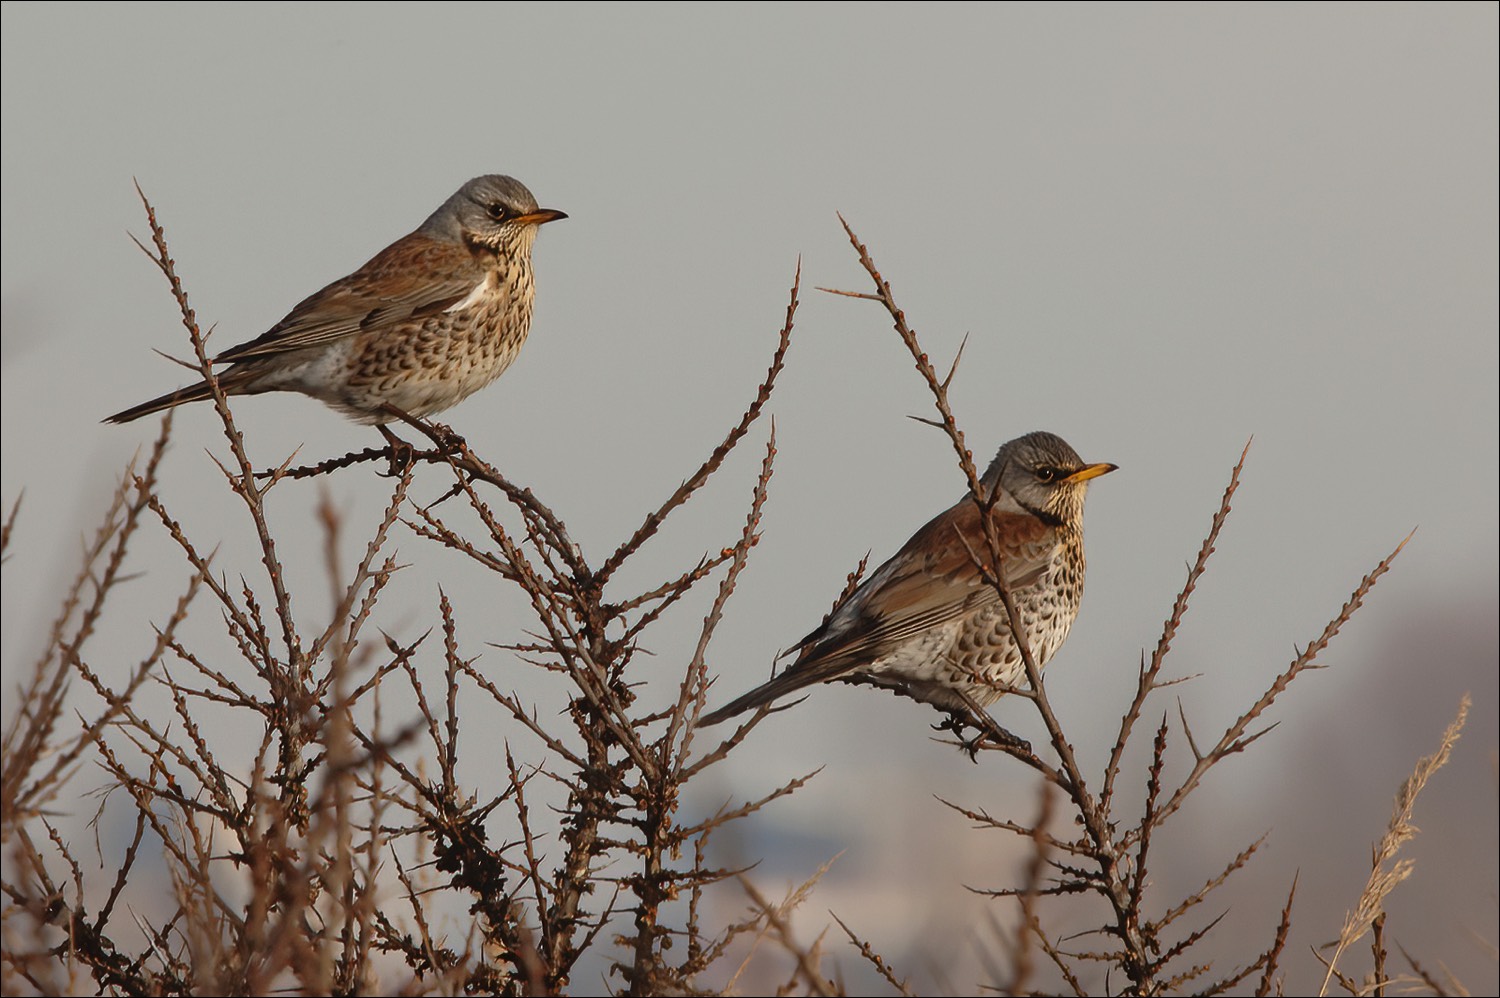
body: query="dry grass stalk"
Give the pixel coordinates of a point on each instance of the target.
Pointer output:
(1386, 870)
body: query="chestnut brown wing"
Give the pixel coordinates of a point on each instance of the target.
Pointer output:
(932, 580)
(412, 277)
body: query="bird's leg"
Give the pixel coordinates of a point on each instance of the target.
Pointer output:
(447, 441)
(401, 452)
(957, 722)
(444, 437)
(989, 728)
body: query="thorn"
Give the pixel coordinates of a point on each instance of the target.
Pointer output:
(956, 357)
(850, 294)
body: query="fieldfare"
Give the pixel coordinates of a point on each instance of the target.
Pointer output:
(928, 625)
(433, 318)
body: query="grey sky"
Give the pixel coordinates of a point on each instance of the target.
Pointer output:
(1165, 230)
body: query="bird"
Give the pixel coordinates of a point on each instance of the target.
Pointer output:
(928, 625)
(428, 321)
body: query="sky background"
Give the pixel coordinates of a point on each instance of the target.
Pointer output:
(1164, 230)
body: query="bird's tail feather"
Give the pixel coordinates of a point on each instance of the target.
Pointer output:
(796, 677)
(232, 383)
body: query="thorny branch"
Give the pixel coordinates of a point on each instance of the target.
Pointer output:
(1117, 875)
(422, 772)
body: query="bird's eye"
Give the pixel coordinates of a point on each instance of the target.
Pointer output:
(497, 211)
(1047, 475)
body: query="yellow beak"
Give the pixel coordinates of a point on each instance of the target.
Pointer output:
(1092, 471)
(539, 217)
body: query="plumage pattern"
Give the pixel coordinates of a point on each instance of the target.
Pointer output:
(927, 624)
(431, 319)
